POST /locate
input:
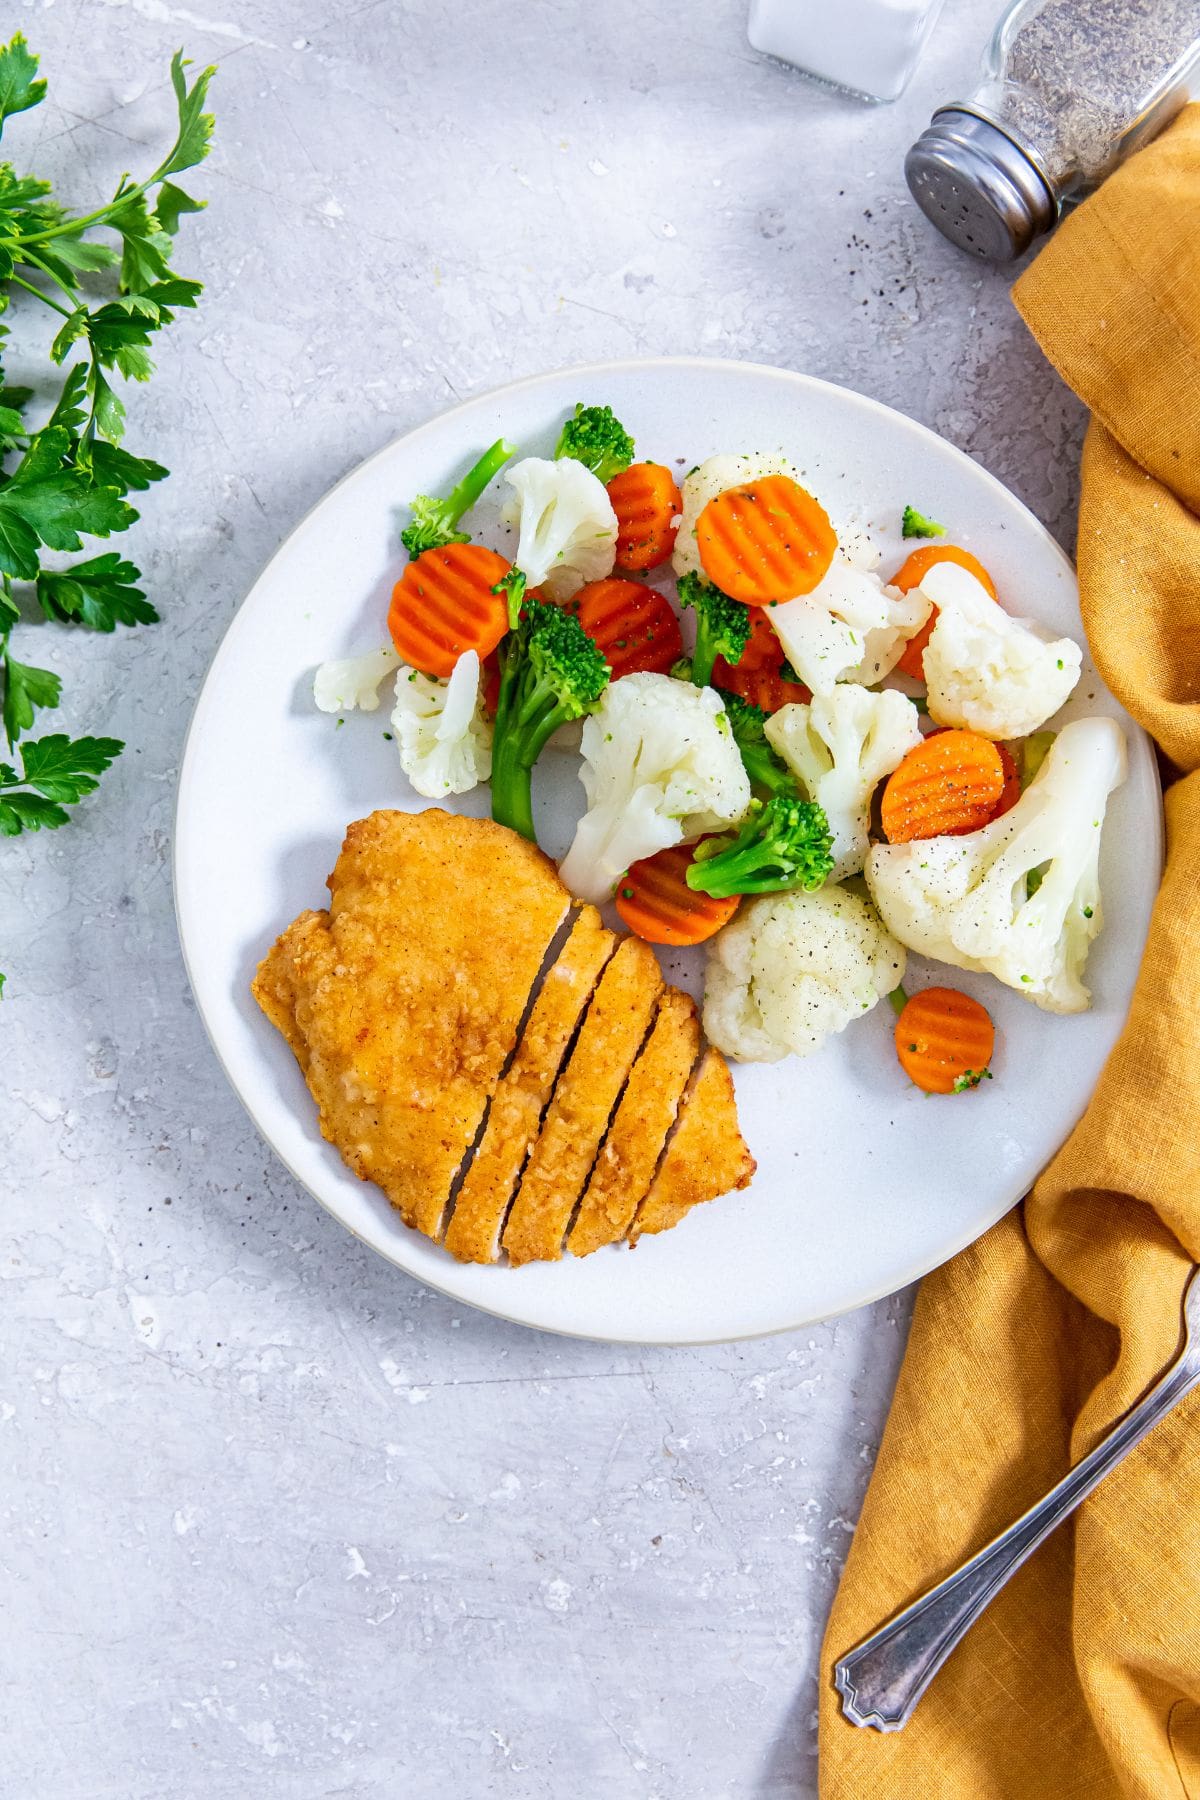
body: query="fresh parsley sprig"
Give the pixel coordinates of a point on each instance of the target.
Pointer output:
(67, 479)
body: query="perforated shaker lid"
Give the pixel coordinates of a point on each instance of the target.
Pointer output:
(978, 186)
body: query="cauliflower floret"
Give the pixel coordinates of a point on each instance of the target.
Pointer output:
(840, 747)
(793, 968)
(568, 529)
(659, 766)
(705, 483)
(445, 743)
(967, 900)
(883, 646)
(985, 670)
(849, 628)
(353, 683)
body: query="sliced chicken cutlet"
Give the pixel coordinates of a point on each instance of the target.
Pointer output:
(408, 996)
(706, 1157)
(629, 1156)
(587, 1091)
(473, 1234)
(294, 957)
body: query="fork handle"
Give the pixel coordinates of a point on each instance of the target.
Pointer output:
(882, 1678)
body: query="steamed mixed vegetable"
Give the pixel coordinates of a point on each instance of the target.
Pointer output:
(759, 790)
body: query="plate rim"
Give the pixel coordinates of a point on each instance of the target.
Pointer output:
(605, 366)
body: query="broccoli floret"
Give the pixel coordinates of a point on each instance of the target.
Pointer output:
(722, 625)
(597, 439)
(781, 843)
(550, 671)
(915, 524)
(434, 521)
(768, 773)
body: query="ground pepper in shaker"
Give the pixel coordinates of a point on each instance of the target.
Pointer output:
(1070, 89)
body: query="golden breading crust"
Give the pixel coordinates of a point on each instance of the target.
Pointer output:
(274, 986)
(707, 1155)
(629, 1155)
(587, 1091)
(473, 1233)
(408, 995)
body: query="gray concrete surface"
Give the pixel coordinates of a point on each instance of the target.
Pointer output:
(276, 1520)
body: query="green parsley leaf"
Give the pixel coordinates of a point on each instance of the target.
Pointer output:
(18, 89)
(146, 247)
(171, 203)
(66, 769)
(25, 690)
(98, 593)
(112, 467)
(70, 410)
(83, 253)
(195, 126)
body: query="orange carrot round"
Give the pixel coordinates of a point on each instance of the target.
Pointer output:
(656, 903)
(949, 783)
(647, 504)
(443, 605)
(633, 624)
(765, 541)
(907, 576)
(944, 1040)
(756, 677)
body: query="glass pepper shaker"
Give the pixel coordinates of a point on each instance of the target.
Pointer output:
(1070, 89)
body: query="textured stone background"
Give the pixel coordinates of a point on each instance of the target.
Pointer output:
(276, 1521)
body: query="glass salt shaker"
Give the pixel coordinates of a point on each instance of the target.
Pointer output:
(1070, 89)
(867, 47)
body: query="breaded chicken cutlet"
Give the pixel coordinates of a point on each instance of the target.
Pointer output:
(566, 1108)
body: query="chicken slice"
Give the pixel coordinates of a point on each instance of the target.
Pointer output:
(578, 1115)
(629, 1156)
(516, 1112)
(409, 995)
(707, 1155)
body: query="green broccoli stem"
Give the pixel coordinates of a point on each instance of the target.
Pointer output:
(704, 656)
(462, 498)
(528, 713)
(899, 999)
(768, 773)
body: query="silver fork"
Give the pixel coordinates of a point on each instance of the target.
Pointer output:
(882, 1678)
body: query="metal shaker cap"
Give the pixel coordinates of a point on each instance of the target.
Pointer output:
(978, 186)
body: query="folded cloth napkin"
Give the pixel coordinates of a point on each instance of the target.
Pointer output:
(1083, 1677)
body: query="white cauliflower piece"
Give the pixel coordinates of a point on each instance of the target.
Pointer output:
(793, 968)
(567, 526)
(966, 900)
(444, 740)
(985, 670)
(659, 766)
(705, 483)
(840, 747)
(850, 627)
(883, 645)
(352, 684)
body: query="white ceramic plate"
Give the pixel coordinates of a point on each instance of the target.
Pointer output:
(863, 1183)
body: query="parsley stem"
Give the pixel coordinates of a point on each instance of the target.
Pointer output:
(59, 283)
(19, 281)
(75, 226)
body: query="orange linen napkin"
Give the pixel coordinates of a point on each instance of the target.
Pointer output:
(1083, 1677)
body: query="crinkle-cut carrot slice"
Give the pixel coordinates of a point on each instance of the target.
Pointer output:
(443, 605)
(949, 783)
(765, 541)
(655, 901)
(634, 625)
(647, 503)
(944, 1040)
